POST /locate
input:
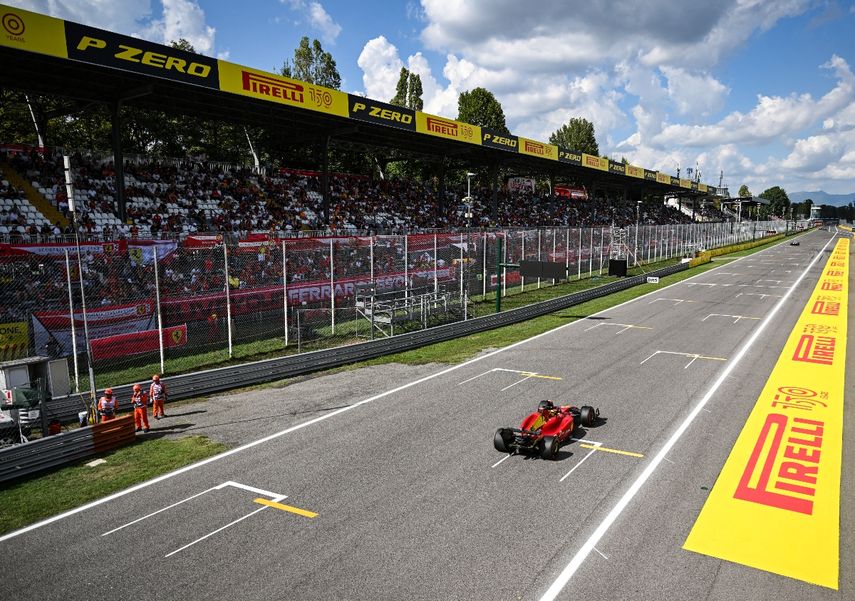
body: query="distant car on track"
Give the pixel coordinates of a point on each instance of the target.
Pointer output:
(794, 243)
(544, 431)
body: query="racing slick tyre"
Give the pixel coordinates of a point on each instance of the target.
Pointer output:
(549, 448)
(502, 440)
(587, 415)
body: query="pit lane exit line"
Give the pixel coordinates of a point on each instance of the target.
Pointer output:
(575, 563)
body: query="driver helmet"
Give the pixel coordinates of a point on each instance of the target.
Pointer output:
(546, 407)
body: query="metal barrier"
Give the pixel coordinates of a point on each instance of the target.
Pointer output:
(59, 450)
(227, 378)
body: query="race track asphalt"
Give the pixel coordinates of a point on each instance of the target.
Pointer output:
(413, 501)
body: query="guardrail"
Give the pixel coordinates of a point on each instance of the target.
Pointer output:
(54, 451)
(227, 378)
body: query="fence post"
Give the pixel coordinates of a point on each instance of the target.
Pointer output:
(435, 261)
(522, 258)
(505, 260)
(538, 252)
(579, 257)
(371, 258)
(159, 315)
(591, 254)
(567, 252)
(407, 267)
(228, 296)
(554, 247)
(71, 319)
(86, 327)
(484, 268)
(332, 287)
(602, 243)
(462, 300)
(285, 290)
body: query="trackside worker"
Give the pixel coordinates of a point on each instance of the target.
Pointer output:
(139, 400)
(157, 394)
(108, 405)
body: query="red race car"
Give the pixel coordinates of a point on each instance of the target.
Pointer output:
(544, 431)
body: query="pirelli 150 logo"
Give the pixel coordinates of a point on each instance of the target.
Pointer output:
(109, 49)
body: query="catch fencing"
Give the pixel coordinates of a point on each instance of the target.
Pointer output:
(130, 310)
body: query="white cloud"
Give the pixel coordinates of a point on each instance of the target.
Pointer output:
(182, 19)
(381, 68)
(694, 95)
(316, 17)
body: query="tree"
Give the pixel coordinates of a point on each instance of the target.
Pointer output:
(480, 107)
(744, 192)
(313, 65)
(408, 92)
(577, 134)
(779, 202)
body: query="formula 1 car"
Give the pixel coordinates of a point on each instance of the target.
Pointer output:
(544, 431)
(794, 243)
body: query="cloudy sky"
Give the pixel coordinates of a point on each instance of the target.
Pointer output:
(762, 90)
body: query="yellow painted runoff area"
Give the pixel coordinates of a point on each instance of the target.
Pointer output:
(776, 503)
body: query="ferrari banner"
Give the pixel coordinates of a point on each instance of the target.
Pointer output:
(283, 90)
(447, 128)
(137, 343)
(595, 162)
(776, 503)
(24, 30)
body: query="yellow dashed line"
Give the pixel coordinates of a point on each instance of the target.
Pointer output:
(608, 450)
(297, 510)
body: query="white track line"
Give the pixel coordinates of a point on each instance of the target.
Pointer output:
(597, 445)
(326, 416)
(567, 573)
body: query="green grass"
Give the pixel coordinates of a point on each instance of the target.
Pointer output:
(40, 497)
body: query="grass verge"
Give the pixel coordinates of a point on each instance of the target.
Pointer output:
(40, 497)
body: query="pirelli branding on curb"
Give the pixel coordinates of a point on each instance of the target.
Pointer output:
(108, 49)
(569, 156)
(499, 140)
(776, 503)
(365, 109)
(447, 128)
(283, 90)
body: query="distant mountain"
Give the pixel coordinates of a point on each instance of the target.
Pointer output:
(823, 198)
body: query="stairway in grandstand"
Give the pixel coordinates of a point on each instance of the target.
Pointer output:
(33, 196)
(683, 208)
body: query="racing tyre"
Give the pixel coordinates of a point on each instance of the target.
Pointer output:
(587, 415)
(502, 440)
(549, 448)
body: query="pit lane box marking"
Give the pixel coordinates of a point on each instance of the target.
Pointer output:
(776, 503)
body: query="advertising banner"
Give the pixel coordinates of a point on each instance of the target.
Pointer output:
(569, 156)
(593, 162)
(663, 178)
(521, 184)
(538, 149)
(137, 343)
(447, 128)
(649, 175)
(617, 168)
(14, 340)
(237, 79)
(373, 111)
(633, 171)
(24, 30)
(499, 140)
(686, 183)
(54, 327)
(108, 49)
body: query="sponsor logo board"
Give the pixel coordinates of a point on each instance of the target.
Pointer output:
(538, 149)
(447, 128)
(237, 79)
(593, 162)
(569, 156)
(33, 32)
(502, 141)
(372, 111)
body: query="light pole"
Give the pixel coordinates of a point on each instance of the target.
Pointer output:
(468, 214)
(69, 191)
(637, 221)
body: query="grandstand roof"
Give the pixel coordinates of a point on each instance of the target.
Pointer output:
(85, 64)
